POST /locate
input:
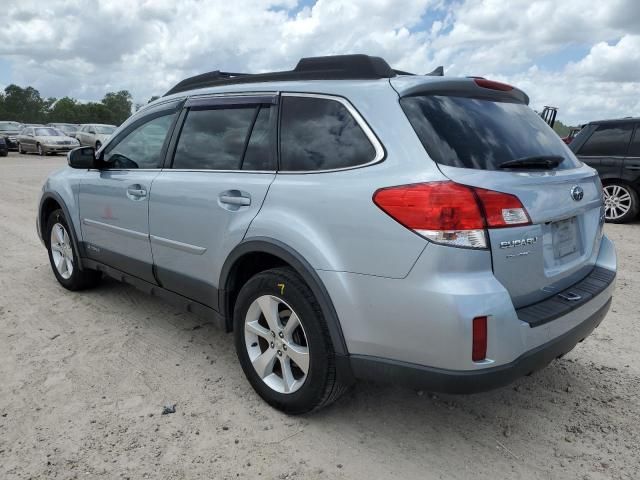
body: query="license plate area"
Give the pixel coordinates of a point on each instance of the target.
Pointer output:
(564, 234)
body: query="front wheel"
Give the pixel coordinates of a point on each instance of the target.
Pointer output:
(98, 145)
(283, 344)
(620, 203)
(41, 150)
(20, 149)
(63, 257)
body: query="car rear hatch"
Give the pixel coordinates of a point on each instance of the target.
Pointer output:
(471, 128)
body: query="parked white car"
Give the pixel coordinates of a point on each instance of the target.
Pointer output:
(94, 134)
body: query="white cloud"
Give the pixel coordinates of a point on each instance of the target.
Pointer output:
(84, 48)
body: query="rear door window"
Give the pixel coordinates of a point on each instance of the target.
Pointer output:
(481, 134)
(320, 134)
(217, 139)
(608, 141)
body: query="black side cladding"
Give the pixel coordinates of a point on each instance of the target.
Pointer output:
(335, 67)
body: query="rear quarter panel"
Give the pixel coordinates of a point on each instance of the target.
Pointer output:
(330, 218)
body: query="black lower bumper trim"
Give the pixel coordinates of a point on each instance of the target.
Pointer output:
(454, 381)
(567, 300)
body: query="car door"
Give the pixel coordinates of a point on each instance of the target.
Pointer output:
(631, 168)
(606, 148)
(201, 206)
(30, 140)
(114, 200)
(80, 135)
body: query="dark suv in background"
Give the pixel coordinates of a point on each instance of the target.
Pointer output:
(612, 147)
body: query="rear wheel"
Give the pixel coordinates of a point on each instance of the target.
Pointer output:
(620, 203)
(283, 342)
(63, 257)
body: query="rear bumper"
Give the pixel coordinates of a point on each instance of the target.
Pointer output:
(451, 381)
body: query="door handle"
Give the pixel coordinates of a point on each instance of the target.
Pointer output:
(235, 200)
(136, 192)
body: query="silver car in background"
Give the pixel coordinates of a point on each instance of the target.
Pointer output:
(94, 134)
(44, 140)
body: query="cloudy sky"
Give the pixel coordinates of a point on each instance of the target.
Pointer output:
(581, 56)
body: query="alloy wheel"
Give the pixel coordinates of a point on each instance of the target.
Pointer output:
(276, 344)
(617, 201)
(62, 251)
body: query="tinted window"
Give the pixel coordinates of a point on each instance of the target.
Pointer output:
(259, 154)
(104, 129)
(608, 140)
(320, 134)
(142, 147)
(471, 133)
(634, 147)
(213, 139)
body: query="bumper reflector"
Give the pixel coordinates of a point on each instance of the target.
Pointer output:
(479, 347)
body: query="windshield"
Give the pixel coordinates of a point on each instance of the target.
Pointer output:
(482, 134)
(47, 132)
(106, 130)
(10, 126)
(66, 128)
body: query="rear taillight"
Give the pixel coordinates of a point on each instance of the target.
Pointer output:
(450, 213)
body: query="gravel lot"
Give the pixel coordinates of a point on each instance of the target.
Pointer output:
(83, 378)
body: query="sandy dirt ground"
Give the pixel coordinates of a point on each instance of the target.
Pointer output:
(84, 376)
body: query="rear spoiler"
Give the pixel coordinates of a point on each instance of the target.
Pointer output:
(473, 87)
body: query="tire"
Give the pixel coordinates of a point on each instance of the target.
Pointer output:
(621, 202)
(20, 149)
(98, 145)
(61, 249)
(41, 151)
(308, 391)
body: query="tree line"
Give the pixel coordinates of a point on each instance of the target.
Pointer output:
(25, 105)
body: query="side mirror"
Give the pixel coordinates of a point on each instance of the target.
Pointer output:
(82, 157)
(92, 132)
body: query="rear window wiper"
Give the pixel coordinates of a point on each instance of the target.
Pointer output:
(537, 161)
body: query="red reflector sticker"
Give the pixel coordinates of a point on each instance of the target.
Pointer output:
(479, 348)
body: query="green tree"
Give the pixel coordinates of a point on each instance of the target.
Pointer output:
(65, 110)
(24, 104)
(119, 104)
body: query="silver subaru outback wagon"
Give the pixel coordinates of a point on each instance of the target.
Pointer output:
(346, 220)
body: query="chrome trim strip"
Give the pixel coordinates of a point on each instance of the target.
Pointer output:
(272, 172)
(185, 247)
(112, 228)
(379, 149)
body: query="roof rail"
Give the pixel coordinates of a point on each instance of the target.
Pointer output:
(335, 67)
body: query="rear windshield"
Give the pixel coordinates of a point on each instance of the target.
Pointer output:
(471, 133)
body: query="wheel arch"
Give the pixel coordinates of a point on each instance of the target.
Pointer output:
(280, 254)
(50, 202)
